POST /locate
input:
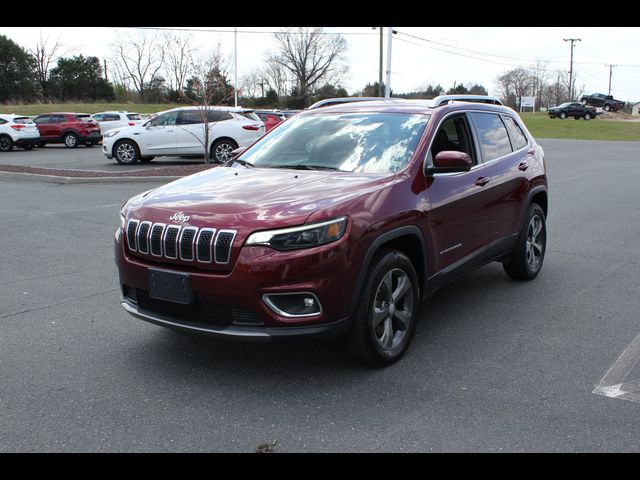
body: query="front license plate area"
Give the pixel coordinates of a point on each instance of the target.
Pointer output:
(170, 286)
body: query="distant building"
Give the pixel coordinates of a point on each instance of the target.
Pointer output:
(635, 109)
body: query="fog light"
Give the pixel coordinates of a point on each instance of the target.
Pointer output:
(301, 304)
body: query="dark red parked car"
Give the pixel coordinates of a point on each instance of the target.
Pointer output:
(339, 222)
(270, 118)
(71, 129)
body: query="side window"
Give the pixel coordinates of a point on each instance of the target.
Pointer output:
(453, 134)
(111, 117)
(517, 135)
(191, 117)
(42, 119)
(58, 119)
(492, 135)
(218, 116)
(164, 119)
(2, 121)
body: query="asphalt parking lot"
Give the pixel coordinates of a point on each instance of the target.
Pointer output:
(82, 158)
(496, 365)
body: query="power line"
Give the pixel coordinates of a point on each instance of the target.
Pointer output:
(212, 30)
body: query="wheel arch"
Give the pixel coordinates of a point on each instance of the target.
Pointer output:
(115, 144)
(407, 239)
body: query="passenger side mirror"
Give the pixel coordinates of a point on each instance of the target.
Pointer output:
(449, 161)
(237, 152)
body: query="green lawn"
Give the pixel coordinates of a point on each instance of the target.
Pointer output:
(541, 126)
(83, 108)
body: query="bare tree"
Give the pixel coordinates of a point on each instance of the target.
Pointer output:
(138, 59)
(180, 55)
(311, 57)
(276, 78)
(207, 87)
(45, 53)
(514, 84)
(252, 84)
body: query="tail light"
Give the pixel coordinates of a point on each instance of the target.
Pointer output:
(131, 124)
(17, 127)
(251, 127)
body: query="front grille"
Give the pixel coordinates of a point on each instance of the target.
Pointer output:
(204, 313)
(186, 243)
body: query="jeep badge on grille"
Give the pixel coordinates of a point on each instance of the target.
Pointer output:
(179, 217)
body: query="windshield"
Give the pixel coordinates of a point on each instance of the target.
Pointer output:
(351, 142)
(564, 105)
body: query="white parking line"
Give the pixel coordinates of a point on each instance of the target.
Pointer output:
(563, 180)
(614, 384)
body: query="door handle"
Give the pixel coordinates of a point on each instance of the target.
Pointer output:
(523, 166)
(482, 181)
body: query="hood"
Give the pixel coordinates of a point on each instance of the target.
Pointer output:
(249, 199)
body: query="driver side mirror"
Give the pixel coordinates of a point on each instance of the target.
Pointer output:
(449, 161)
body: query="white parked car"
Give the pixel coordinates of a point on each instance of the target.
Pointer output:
(181, 132)
(111, 120)
(18, 131)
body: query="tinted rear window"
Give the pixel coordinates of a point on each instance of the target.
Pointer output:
(492, 135)
(134, 116)
(84, 118)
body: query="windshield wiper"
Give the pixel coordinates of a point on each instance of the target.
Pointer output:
(241, 162)
(303, 166)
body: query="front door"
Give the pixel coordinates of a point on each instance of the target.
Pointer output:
(458, 204)
(159, 135)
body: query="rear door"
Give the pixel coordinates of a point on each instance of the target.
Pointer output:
(190, 132)
(505, 152)
(44, 125)
(459, 204)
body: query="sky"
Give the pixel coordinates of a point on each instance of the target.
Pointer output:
(419, 56)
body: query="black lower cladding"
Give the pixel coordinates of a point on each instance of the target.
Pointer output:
(199, 312)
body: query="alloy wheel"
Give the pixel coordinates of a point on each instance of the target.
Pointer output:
(535, 243)
(70, 141)
(223, 152)
(125, 152)
(5, 144)
(392, 309)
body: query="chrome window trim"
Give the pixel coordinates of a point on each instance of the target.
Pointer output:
(481, 164)
(195, 234)
(135, 235)
(197, 247)
(164, 239)
(282, 313)
(215, 246)
(138, 236)
(164, 226)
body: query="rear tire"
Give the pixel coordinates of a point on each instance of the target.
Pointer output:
(126, 152)
(6, 143)
(527, 257)
(70, 140)
(587, 116)
(607, 108)
(387, 312)
(221, 150)
(576, 117)
(28, 147)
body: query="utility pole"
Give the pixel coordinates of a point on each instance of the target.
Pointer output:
(106, 77)
(380, 70)
(387, 87)
(235, 54)
(610, 74)
(572, 40)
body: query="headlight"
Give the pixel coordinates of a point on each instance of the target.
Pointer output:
(110, 133)
(305, 236)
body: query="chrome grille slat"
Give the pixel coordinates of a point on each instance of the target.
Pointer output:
(187, 239)
(176, 242)
(132, 229)
(143, 237)
(204, 244)
(171, 235)
(156, 239)
(223, 244)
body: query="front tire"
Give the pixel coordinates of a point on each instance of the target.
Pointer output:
(607, 108)
(126, 152)
(563, 115)
(527, 257)
(221, 150)
(70, 140)
(587, 116)
(6, 143)
(387, 312)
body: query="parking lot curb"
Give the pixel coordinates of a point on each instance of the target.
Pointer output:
(34, 177)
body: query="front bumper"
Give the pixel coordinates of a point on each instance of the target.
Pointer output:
(327, 272)
(240, 332)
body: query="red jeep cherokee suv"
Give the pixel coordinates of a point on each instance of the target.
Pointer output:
(68, 128)
(338, 222)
